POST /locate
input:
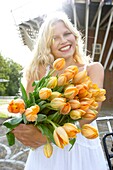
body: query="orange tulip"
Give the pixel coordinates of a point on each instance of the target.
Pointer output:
(94, 90)
(90, 114)
(31, 113)
(45, 93)
(89, 131)
(76, 114)
(93, 105)
(69, 74)
(16, 106)
(84, 94)
(48, 150)
(75, 104)
(100, 99)
(59, 64)
(70, 92)
(71, 130)
(101, 96)
(65, 109)
(80, 77)
(62, 80)
(57, 103)
(84, 105)
(52, 82)
(60, 137)
(55, 94)
(73, 68)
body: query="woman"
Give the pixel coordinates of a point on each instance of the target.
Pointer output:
(58, 38)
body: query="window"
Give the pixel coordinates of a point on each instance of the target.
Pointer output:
(97, 48)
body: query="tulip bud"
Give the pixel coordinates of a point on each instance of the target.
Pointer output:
(59, 64)
(31, 113)
(73, 68)
(60, 137)
(89, 131)
(100, 99)
(84, 105)
(57, 103)
(62, 80)
(45, 93)
(93, 105)
(65, 109)
(75, 104)
(55, 94)
(52, 83)
(69, 74)
(16, 106)
(76, 114)
(48, 150)
(90, 114)
(79, 77)
(70, 92)
(71, 130)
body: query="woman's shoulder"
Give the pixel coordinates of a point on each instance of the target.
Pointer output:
(97, 66)
(95, 69)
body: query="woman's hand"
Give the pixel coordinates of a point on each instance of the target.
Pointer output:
(29, 135)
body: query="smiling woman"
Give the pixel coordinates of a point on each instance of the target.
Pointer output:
(58, 38)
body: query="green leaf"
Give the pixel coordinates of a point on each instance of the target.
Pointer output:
(52, 116)
(10, 138)
(31, 98)
(46, 130)
(35, 83)
(72, 142)
(42, 105)
(41, 118)
(24, 94)
(13, 122)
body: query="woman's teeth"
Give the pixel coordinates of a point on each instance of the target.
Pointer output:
(65, 48)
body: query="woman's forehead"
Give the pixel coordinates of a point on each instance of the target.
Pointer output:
(59, 27)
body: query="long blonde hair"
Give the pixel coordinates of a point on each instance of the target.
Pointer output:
(42, 51)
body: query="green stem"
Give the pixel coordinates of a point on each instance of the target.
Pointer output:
(61, 119)
(52, 72)
(52, 123)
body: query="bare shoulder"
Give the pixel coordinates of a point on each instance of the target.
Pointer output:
(95, 71)
(95, 67)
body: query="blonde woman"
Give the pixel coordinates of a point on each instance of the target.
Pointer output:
(58, 38)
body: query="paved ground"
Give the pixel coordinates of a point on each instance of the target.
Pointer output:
(14, 158)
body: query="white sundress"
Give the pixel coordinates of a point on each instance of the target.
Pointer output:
(86, 154)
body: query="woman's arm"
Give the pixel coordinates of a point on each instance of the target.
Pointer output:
(96, 73)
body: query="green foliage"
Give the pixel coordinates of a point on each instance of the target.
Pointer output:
(12, 72)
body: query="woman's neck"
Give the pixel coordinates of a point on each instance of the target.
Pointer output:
(69, 61)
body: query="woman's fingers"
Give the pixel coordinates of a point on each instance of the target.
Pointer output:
(29, 135)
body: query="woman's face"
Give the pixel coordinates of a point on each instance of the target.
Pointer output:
(63, 42)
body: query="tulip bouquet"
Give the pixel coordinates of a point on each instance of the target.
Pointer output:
(56, 104)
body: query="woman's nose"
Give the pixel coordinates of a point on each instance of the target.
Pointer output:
(63, 39)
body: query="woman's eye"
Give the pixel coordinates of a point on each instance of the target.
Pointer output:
(55, 38)
(68, 33)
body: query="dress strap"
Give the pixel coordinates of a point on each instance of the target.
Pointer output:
(47, 69)
(85, 67)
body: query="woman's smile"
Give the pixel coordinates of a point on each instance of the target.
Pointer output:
(65, 48)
